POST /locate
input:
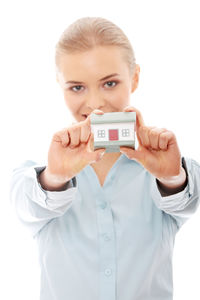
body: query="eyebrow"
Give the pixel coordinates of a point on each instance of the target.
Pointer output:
(106, 77)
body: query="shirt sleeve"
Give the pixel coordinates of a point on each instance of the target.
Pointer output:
(181, 206)
(33, 205)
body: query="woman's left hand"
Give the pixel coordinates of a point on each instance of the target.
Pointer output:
(157, 151)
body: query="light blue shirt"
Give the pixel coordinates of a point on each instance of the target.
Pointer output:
(104, 243)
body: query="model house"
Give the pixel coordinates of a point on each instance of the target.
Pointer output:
(114, 129)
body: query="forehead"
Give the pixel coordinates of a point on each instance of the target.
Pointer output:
(99, 60)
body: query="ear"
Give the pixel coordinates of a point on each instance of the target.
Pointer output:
(135, 78)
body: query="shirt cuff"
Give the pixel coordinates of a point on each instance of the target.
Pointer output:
(71, 183)
(167, 191)
(177, 201)
(55, 199)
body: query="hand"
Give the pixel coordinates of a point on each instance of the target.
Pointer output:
(158, 152)
(70, 151)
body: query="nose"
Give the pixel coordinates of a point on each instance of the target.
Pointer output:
(94, 100)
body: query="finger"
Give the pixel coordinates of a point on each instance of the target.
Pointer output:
(143, 135)
(97, 154)
(85, 130)
(139, 118)
(98, 112)
(90, 145)
(166, 138)
(154, 135)
(74, 135)
(134, 154)
(62, 136)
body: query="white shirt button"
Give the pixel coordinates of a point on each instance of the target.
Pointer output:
(103, 205)
(112, 177)
(106, 237)
(108, 272)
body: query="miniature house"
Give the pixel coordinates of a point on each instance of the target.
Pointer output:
(112, 130)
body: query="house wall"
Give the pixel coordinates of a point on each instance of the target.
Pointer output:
(118, 126)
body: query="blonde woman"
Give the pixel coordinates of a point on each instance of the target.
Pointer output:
(105, 223)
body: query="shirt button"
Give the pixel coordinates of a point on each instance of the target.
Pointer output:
(106, 237)
(103, 205)
(112, 177)
(108, 272)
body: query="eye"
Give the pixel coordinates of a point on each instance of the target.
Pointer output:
(76, 86)
(110, 83)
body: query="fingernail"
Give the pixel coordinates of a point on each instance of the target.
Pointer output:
(98, 111)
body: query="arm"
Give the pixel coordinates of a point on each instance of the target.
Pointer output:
(183, 204)
(34, 205)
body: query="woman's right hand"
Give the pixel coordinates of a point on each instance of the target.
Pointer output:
(70, 151)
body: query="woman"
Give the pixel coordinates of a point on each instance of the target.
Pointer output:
(105, 223)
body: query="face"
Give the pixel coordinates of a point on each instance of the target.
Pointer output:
(96, 79)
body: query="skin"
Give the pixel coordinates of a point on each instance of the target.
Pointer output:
(109, 95)
(71, 150)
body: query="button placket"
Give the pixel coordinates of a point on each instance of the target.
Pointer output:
(107, 247)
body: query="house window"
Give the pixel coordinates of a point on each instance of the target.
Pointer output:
(125, 132)
(101, 133)
(113, 134)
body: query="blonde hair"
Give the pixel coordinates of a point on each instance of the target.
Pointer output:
(88, 32)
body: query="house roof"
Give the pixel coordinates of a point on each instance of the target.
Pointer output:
(113, 117)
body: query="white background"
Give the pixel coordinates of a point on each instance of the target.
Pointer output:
(165, 38)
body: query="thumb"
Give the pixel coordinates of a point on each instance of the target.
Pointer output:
(134, 154)
(98, 154)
